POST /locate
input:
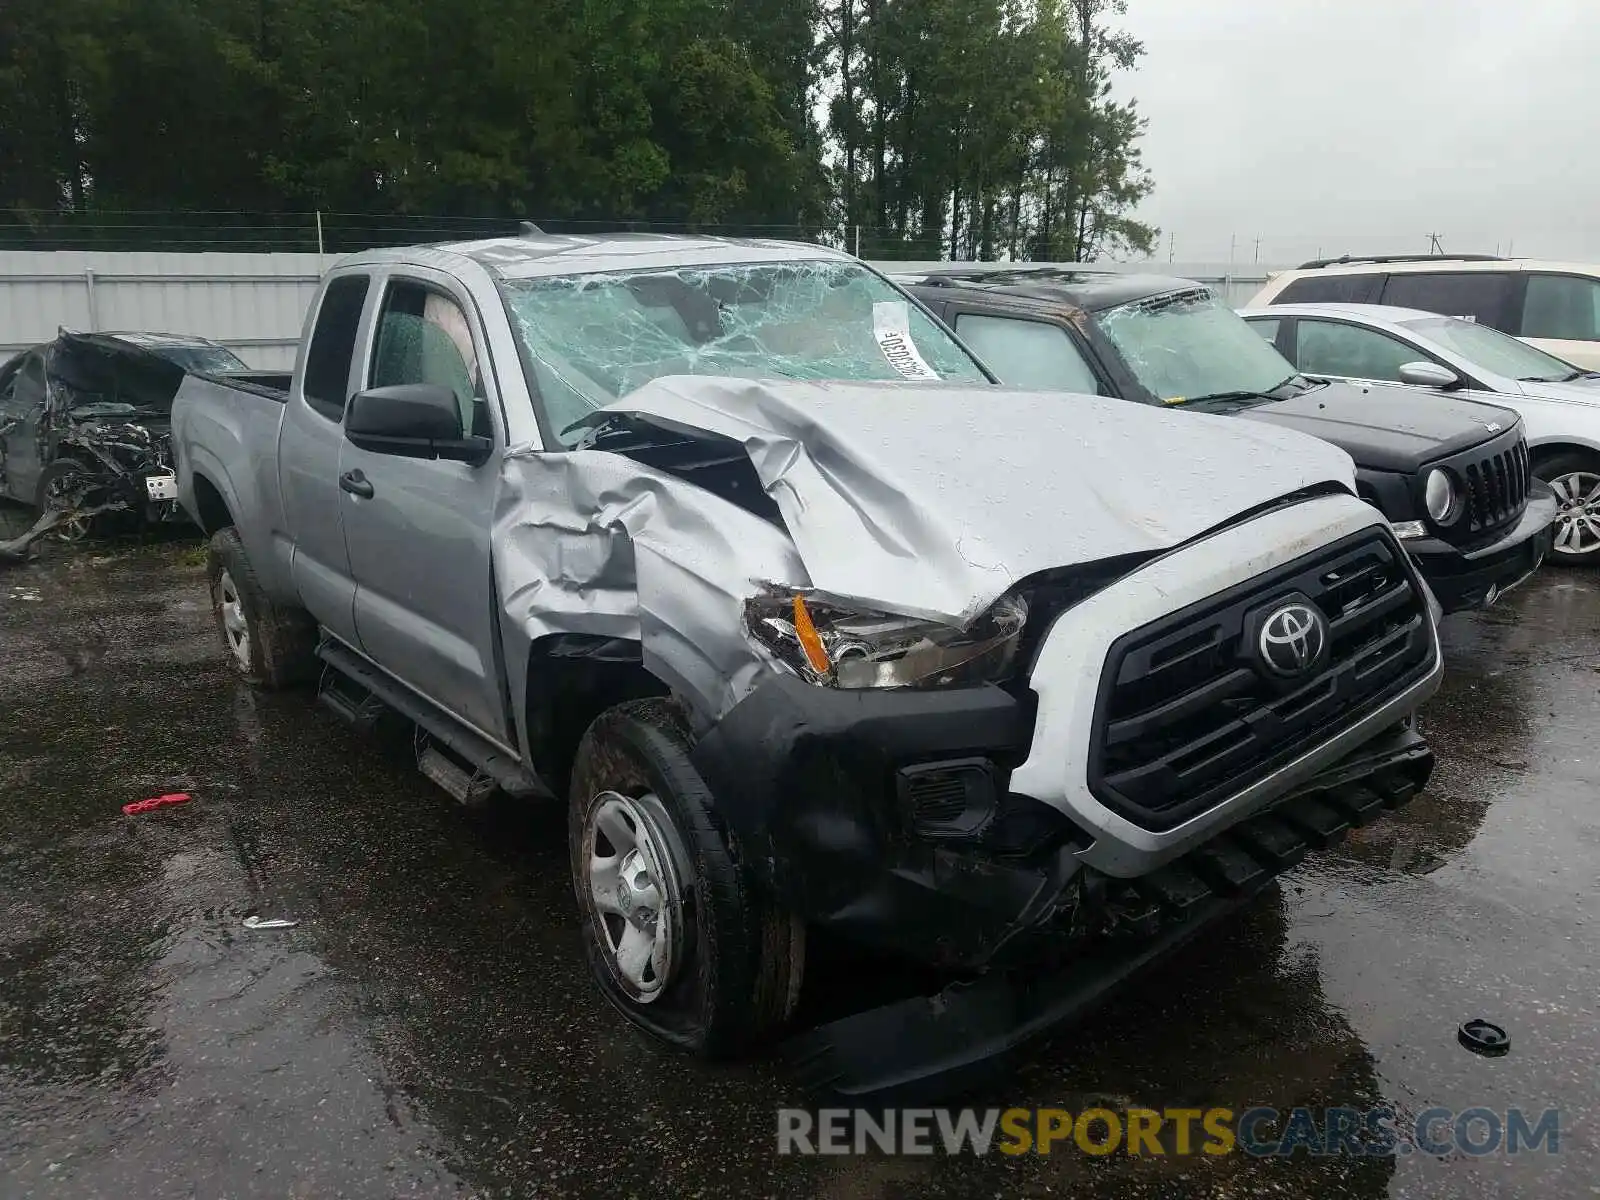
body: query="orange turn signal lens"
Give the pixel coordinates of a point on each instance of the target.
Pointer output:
(810, 641)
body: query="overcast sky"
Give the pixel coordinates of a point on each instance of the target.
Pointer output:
(1365, 125)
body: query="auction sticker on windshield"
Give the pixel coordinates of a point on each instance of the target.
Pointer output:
(891, 325)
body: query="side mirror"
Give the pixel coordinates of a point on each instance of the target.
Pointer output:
(1428, 374)
(414, 420)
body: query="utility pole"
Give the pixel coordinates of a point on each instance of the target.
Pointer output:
(1172, 246)
(1258, 249)
(1233, 245)
(1433, 244)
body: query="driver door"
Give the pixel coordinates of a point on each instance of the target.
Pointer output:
(418, 530)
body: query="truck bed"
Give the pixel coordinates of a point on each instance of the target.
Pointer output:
(225, 450)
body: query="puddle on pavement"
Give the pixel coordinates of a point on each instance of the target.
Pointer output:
(428, 1023)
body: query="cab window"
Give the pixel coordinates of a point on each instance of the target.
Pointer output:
(425, 337)
(333, 345)
(1028, 354)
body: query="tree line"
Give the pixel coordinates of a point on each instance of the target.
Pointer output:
(930, 128)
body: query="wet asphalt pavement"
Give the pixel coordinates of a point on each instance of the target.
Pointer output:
(427, 1028)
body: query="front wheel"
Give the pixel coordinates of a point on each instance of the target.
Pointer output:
(1575, 478)
(64, 487)
(675, 935)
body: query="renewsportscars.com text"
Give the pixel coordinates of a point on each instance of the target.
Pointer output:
(1260, 1132)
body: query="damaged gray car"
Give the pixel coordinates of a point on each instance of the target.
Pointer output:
(738, 552)
(85, 425)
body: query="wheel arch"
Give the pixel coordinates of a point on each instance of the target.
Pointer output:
(211, 510)
(572, 679)
(1541, 450)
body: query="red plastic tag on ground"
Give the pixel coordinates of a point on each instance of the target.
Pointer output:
(144, 806)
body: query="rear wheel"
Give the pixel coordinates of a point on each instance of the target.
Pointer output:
(675, 934)
(269, 645)
(1575, 478)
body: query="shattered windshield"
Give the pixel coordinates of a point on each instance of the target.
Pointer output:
(594, 338)
(1188, 346)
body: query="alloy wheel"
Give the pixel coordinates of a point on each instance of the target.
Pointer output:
(235, 629)
(1578, 520)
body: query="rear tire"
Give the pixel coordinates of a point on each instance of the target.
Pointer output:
(674, 931)
(270, 646)
(1575, 477)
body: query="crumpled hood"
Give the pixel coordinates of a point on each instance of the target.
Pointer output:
(934, 499)
(1387, 427)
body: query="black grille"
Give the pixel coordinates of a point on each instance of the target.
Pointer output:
(1187, 716)
(1494, 479)
(1496, 487)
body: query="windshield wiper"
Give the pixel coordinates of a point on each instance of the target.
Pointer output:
(1268, 396)
(1239, 397)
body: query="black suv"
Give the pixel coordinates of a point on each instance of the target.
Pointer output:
(1453, 479)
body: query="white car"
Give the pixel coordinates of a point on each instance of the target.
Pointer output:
(1559, 403)
(1552, 305)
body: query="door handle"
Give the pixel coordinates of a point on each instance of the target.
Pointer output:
(356, 484)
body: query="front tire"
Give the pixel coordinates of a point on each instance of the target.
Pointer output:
(62, 486)
(1575, 477)
(674, 931)
(270, 646)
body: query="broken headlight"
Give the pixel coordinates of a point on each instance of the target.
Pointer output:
(854, 648)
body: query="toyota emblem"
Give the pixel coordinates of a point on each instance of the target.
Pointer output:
(1292, 640)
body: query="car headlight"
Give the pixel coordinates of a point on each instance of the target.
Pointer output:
(1442, 497)
(855, 648)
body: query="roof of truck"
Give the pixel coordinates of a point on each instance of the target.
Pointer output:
(531, 255)
(1086, 289)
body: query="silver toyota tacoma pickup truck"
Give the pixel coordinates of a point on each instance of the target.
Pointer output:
(737, 549)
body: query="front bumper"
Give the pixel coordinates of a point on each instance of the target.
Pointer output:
(1478, 578)
(811, 783)
(925, 1047)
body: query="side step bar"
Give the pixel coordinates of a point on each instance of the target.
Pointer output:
(358, 692)
(468, 787)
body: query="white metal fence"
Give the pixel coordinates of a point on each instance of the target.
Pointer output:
(255, 303)
(252, 303)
